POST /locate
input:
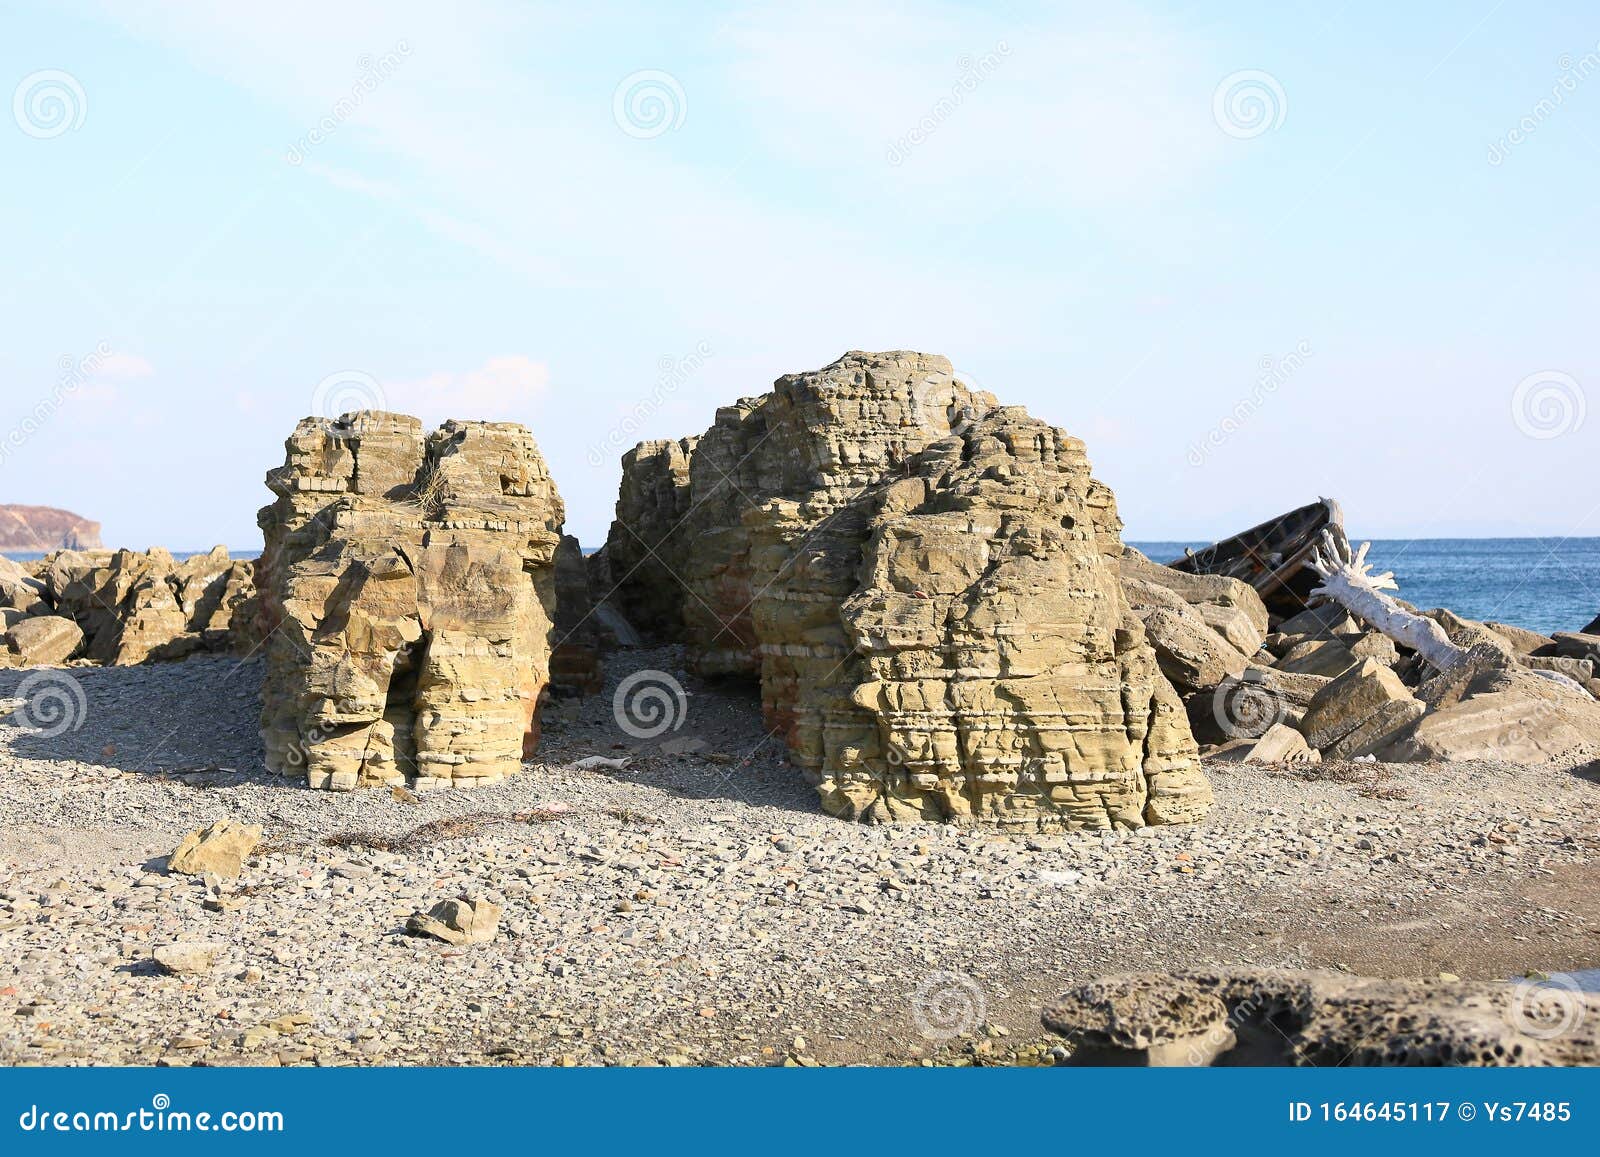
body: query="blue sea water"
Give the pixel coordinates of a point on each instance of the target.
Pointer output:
(180, 555)
(1544, 584)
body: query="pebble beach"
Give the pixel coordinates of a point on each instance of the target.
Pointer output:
(694, 906)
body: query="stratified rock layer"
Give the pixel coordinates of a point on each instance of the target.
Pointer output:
(640, 584)
(408, 589)
(925, 584)
(575, 656)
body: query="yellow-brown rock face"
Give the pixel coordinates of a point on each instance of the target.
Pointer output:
(408, 586)
(926, 584)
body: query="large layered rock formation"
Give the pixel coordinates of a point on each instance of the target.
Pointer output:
(408, 594)
(129, 606)
(925, 583)
(40, 528)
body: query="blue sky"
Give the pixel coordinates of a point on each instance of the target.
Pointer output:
(1251, 256)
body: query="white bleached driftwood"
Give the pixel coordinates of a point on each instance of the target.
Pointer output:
(1348, 581)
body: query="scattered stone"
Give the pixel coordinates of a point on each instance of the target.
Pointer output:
(1282, 744)
(1577, 645)
(135, 606)
(219, 849)
(1198, 590)
(1323, 621)
(1192, 655)
(187, 957)
(590, 762)
(1520, 639)
(458, 922)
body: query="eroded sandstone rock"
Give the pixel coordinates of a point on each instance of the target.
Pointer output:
(218, 848)
(1359, 711)
(637, 571)
(187, 957)
(926, 584)
(1508, 713)
(575, 642)
(407, 596)
(469, 920)
(20, 591)
(42, 641)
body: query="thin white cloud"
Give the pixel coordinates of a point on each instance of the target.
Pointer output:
(503, 389)
(1095, 106)
(123, 366)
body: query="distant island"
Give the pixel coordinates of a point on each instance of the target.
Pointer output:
(34, 528)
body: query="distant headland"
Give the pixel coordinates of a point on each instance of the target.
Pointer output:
(38, 528)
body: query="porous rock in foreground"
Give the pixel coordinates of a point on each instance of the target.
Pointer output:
(925, 583)
(408, 582)
(1270, 1017)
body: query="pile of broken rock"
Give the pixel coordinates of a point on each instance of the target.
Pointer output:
(1323, 684)
(122, 607)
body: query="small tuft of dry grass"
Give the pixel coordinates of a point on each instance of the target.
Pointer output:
(1371, 781)
(430, 488)
(541, 815)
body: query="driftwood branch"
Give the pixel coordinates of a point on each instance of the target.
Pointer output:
(1347, 580)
